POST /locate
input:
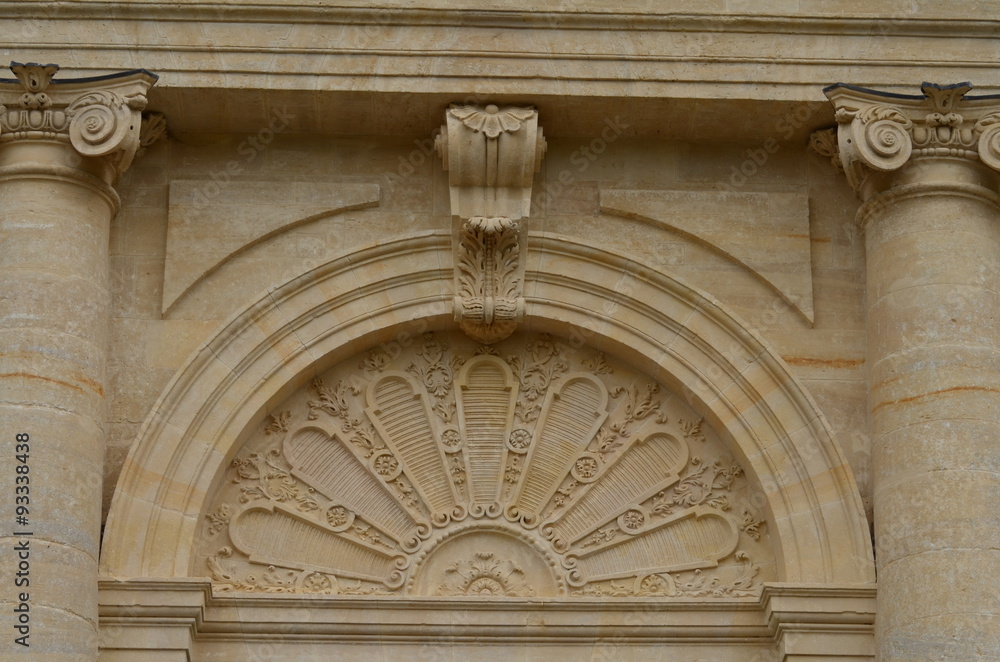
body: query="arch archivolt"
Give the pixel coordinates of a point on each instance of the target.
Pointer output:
(352, 370)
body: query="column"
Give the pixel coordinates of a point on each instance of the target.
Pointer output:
(62, 147)
(926, 168)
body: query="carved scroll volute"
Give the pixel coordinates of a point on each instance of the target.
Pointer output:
(103, 123)
(877, 137)
(491, 154)
(988, 128)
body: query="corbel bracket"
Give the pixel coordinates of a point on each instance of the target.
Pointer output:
(491, 154)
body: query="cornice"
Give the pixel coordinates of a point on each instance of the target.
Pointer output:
(472, 16)
(832, 609)
(675, 72)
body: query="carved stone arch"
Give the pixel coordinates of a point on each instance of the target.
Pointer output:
(677, 335)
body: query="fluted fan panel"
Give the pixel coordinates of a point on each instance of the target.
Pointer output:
(328, 465)
(486, 410)
(701, 537)
(646, 468)
(571, 416)
(553, 459)
(400, 413)
(270, 536)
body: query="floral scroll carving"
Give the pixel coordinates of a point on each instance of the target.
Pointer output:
(485, 575)
(556, 471)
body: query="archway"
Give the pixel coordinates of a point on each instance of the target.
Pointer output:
(394, 292)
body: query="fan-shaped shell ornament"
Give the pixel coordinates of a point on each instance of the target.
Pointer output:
(492, 120)
(533, 469)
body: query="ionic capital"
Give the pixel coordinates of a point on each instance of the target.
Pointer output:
(880, 132)
(99, 117)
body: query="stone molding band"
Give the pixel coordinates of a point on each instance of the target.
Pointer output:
(880, 201)
(57, 172)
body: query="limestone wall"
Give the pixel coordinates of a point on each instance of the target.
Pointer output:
(793, 212)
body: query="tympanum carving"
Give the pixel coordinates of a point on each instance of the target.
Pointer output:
(518, 469)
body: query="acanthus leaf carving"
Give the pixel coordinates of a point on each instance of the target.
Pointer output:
(219, 520)
(488, 301)
(331, 400)
(153, 129)
(692, 430)
(824, 143)
(278, 423)
(751, 524)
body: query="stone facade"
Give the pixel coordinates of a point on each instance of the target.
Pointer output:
(428, 331)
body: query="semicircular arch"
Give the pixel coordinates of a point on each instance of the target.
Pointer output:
(679, 336)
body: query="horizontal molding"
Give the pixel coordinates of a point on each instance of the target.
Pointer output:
(472, 15)
(828, 609)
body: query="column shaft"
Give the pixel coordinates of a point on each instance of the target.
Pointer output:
(933, 260)
(54, 225)
(61, 149)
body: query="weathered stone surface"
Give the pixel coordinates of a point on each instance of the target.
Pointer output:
(290, 217)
